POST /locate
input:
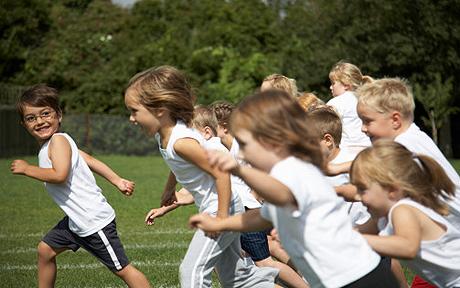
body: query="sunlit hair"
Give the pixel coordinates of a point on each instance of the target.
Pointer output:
(391, 165)
(281, 82)
(387, 95)
(164, 87)
(222, 110)
(274, 117)
(39, 95)
(202, 117)
(348, 74)
(309, 101)
(327, 121)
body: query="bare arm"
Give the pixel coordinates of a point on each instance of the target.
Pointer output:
(405, 243)
(190, 150)
(97, 166)
(348, 191)
(246, 222)
(167, 198)
(60, 154)
(336, 169)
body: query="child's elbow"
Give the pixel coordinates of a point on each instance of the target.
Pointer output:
(410, 253)
(58, 179)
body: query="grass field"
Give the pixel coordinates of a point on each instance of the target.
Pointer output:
(27, 212)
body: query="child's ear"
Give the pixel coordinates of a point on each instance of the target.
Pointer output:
(328, 139)
(394, 193)
(396, 120)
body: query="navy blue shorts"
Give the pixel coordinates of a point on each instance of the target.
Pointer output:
(104, 244)
(255, 244)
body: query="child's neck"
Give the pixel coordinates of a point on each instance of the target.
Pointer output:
(227, 140)
(165, 132)
(333, 152)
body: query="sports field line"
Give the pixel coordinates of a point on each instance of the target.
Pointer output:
(148, 263)
(6, 235)
(173, 245)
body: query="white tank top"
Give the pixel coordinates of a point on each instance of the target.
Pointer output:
(437, 261)
(196, 181)
(79, 196)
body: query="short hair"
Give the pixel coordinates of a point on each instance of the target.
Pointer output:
(327, 121)
(202, 117)
(223, 111)
(309, 101)
(348, 74)
(39, 95)
(388, 94)
(283, 83)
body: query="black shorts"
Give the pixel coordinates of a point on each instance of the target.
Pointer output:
(380, 277)
(104, 244)
(256, 245)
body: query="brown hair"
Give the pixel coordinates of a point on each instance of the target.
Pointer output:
(164, 87)
(348, 74)
(202, 117)
(39, 95)
(281, 82)
(419, 177)
(387, 95)
(327, 121)
(309, 101)
(222, 110)
(275, 117)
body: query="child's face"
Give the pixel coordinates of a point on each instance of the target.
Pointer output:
(376, 125)
(376, 198)
(41, 122)
(141, 115)
(252, 151)
(337, 88)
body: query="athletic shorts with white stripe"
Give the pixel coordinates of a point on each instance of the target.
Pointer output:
(104, 244)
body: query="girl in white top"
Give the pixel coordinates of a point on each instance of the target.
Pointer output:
(345, 79)
(278, 142)
(404, 190)
(65, 171)
(161, 102)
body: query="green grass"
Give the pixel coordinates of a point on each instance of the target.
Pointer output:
(27, 213)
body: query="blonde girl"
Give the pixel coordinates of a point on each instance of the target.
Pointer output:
(280, 82)
(405, 190)
(160, 100)
(276, 138)
(345, 79)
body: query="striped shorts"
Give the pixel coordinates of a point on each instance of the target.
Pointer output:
(104, 244)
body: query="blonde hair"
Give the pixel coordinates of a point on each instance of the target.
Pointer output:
(275, 118)
(164, 87)
(391, 165)
(387, 95)
(348, 74)
(202, 117)
(327, 121)
(222, 110)
(309, 101)
(281, 82)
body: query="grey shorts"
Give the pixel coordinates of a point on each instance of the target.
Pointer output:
(105, 244)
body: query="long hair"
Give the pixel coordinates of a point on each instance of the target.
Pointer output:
(164, 87)
(348, 74)
(274, 117)
(419, 177)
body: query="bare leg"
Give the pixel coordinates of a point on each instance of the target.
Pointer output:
(133, 277)
(47, 264)
(287, 274)
(399, 273)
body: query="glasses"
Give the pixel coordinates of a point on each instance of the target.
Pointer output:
(44, 115)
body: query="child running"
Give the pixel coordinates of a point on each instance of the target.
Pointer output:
(90, 220)
(345, 79)
(160, 100)
(406, 189)
(277, 140)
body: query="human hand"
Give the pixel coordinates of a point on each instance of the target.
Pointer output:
(223, 161)
(183, 197)
(204, 222)
(348, 191)
(125, 186)
(19, 166)
(154, 213)
(274, 235)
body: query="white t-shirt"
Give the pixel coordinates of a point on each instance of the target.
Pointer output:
(356, 210)
(437, 261)
(238, 185)
(417, 141)
(318, 235)
(79, 196)
(352, 136)
(196, 181)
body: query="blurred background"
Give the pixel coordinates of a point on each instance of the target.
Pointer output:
(89, 49)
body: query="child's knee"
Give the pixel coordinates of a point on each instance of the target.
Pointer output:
(45, 252)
